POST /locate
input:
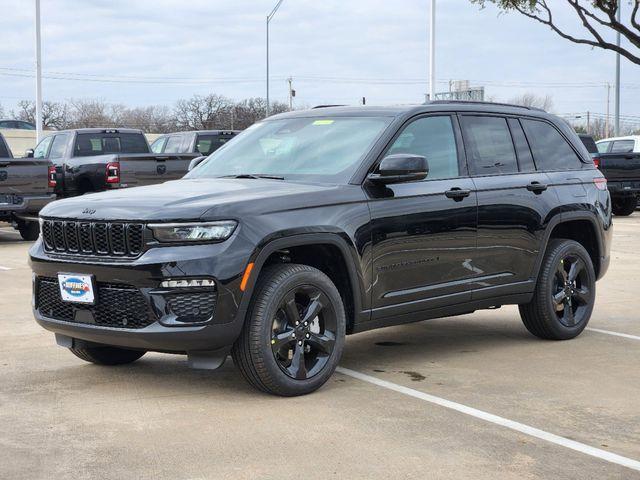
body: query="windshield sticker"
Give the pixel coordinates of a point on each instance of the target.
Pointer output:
(323, 122)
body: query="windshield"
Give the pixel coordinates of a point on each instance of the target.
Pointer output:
(319, 148)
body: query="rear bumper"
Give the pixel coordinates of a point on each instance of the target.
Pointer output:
(144, 275)
(27, 208)
(624, 188)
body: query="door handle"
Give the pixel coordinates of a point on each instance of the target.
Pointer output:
(536, 187)
(457, 193)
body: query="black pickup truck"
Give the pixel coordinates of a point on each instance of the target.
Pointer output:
(98, 159)
(200, 142)
(26, 185)
(622, 171)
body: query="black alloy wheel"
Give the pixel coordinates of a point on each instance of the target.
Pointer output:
(572, 295)
(564, 294)
(303, 332)
(293, 336)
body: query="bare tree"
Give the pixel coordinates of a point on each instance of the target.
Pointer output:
(1, 111)
(533, 100)
(597, 17)
(203, 112)
(151, 119)
(55, 115)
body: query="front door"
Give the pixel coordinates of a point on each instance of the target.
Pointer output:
(424, 233)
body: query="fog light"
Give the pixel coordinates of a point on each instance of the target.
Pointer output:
(198, 282)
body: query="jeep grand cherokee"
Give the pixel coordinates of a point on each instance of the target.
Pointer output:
(315, 224)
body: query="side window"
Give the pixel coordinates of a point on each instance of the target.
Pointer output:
(58, 146)
(156, 147)
(622, 146)
(42, 148)
(173, 144)
(603, 147)
(525, 160)
(434, 139)
(550, 150)
(489, 145)
(4, 151)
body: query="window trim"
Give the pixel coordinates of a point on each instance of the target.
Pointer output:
(463, 171)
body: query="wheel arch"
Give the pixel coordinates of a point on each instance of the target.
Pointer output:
(301, 247)
(581, 227)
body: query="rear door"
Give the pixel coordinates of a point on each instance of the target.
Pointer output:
(513, 202)
(424, 233)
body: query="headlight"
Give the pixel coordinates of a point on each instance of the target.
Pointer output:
(193, 232)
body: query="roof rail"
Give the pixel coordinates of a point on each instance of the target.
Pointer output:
(326, 106)
(476, 102)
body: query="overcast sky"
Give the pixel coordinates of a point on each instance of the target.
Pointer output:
(157, 51)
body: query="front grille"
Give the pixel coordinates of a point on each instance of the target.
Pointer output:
(93, 238)
(192, 307)
(117, 306)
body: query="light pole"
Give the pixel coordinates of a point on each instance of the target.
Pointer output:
(38, 77)
(432, 50)
(269, 17)
(617, 93)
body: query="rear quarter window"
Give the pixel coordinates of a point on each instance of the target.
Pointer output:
(550, 149)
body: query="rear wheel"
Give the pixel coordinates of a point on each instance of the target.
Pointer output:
(624, 206)
(293, 336)
(565, 293)
(29, 230)
(106, 355)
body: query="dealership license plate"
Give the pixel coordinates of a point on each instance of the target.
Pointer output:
(76, 288)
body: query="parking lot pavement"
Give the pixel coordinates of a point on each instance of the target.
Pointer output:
(157, 419)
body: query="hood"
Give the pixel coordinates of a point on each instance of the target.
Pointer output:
(194, 199)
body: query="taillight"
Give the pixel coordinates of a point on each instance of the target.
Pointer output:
(113, 172)
(596, 161)
(52, 177)
(600, 183)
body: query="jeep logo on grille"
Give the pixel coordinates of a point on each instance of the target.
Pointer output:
(3, 175)
(88, 211)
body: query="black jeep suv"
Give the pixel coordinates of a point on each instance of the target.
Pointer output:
(312, 225)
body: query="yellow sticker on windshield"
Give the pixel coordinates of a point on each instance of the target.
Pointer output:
(323, 122)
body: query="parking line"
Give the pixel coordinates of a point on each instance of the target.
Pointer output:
(504, 422)
(4, 268)
(615, 334)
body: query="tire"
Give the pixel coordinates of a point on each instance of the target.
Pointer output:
(29, 230)
(561, 310)
(278, 356)
(624, 206)
(107, 355)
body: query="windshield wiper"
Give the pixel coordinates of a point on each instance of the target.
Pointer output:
(253, 175)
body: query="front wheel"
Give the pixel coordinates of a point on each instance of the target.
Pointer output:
(29, 230)
(624, 206)
(565, 293)
(294, 333)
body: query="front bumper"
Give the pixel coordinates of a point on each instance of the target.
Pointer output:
(144, 275)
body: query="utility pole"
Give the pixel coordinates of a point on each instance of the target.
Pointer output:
(588, 123)
(269, 17)
(38, 76)
(606, 122)
(432, 50)
(617, 99)
(292, 93)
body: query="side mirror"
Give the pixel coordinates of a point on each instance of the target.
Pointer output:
(195, 162)
(399, 168)
(28, 153)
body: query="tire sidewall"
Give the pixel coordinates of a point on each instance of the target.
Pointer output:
(262, 314)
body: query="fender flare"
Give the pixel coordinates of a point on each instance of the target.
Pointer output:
(334, 239)
(566, 217)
